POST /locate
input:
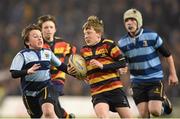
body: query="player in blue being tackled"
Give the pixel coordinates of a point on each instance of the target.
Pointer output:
(141, 47)
(32, 65)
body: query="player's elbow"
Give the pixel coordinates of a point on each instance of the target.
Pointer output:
(123, 63)
(13, 74)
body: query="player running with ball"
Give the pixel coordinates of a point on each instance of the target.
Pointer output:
(103, 58)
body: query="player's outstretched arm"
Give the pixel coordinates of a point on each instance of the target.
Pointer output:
(173, 79)
(21, 73)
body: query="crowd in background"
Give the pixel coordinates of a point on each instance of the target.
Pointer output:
(163, 16)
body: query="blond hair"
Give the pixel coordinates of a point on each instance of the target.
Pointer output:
(94, 22)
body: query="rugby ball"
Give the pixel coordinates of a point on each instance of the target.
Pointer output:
(79, 63)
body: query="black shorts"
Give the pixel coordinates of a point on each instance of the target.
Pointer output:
(115, 98)
(33, 103)
(146, 91)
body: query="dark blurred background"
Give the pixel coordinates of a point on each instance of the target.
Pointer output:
(162, 16)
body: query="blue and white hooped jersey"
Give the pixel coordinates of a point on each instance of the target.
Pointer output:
(144, 62)
(27, 58)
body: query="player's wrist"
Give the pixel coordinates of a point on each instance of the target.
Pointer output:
(101, 66)
(27, 71)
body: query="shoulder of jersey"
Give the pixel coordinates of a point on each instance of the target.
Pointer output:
(58, 38)
(107, 41)
(125, 36)
(25, 50)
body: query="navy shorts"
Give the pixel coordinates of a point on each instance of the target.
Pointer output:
(146, 91)
(114, 98)
(33, 103)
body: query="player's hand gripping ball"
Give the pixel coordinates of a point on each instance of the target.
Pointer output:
(79, 63)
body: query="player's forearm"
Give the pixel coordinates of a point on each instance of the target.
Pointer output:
(115, 65)
(63, 67)
(170, 62)
(18, 73)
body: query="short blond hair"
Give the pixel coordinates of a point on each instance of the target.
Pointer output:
(94, 22)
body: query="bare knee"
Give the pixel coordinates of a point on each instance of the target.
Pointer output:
(102, 110)
(155, 112)
(155, 107)
(144, 114)
(143, 109)
(48, 110)
(124, 112)
(48, 113)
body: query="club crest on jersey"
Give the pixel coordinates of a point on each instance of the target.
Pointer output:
(145, 44)
(46, 55)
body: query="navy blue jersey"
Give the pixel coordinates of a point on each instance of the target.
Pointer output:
(26, 58)
(141, 52)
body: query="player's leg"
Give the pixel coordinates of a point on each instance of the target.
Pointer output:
(59, 110)
(33, 107)
(124, 112)
(48, 110)
(143, 110)
(155, 107)
(119, 102)
(167, 106)
(158, 104)
(102, 110)
(48, 101)
(101, 106)
(140, 96)
(61, 113)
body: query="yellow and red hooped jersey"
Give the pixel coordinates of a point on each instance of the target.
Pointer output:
(106, 52)
(62, 50)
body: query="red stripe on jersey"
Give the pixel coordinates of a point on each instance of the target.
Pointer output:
(108, 87)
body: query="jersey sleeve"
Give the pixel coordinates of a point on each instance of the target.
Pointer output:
(54, 60)
(115, 52)
(58, 64)
(69, 49)
(159, 42)
(17, 62)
